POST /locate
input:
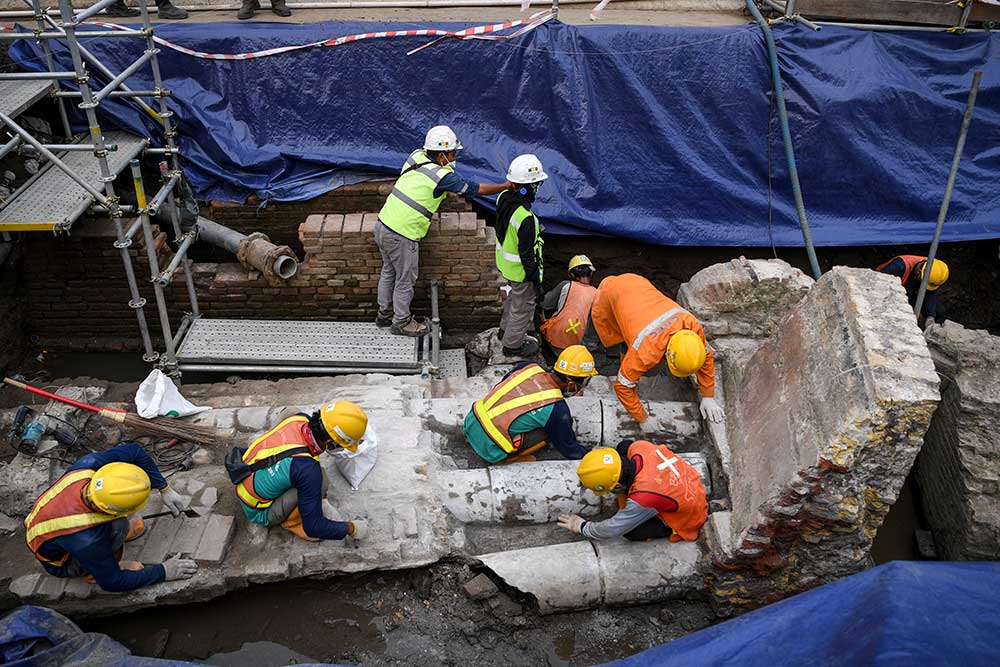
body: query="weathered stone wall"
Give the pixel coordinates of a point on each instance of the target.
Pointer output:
(958, 470)
(77, 294)
(824, 421)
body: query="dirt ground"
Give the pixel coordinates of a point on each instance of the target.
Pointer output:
(398, 618)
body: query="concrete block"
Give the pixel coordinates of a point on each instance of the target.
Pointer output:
(648, 571)
(265, 567)
(188, 535)
(49, 589)
(215, 539)
(78, 589)
(24, 586)
(480, 587)
(560, 576)
(208, 497)
(159, 536)
(252, 420)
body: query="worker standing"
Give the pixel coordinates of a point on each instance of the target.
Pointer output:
(628, 309)
(519, 254)
(663, 494)
(527, 399)
(425, 180)
(567, 306)
(283, 482)
(79, 525)
(910, 271)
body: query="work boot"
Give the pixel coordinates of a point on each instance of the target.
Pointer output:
(168, 10)
(248, 9)
(383, 320)
(411, 328)
(528, 349)
(136, 528)
(280, 8)
(120, 9)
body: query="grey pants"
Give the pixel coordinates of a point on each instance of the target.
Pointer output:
(518, 313)
(400, 264)
(286, 502)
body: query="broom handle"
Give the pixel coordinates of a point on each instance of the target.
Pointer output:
(56, 397)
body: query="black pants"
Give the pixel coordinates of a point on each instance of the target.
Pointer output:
(650, 529)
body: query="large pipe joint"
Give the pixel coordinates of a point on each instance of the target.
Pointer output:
(277, 263)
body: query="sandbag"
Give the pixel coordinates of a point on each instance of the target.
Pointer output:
(159, 397)
(355, 466)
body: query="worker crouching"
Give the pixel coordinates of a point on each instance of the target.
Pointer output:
(660, 495)
(279, 480)
(567, 306)
(527, 410)
(79, 525)
(910, 271)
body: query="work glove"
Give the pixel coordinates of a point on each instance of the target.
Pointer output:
(358, 529)
(179, 568)
(172, 500)
(572, 523)
(711, 410)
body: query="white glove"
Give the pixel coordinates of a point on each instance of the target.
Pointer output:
(359, 529)
(179, 568)
(172, 501)
(711, 410)
(572, 523)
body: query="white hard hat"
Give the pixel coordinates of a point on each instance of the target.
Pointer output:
(441, 138)
(526, 169)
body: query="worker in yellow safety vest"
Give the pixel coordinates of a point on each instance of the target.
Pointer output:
(280, 480)
(567, 306)
(78, 526)
(527, 409)
(424, 181)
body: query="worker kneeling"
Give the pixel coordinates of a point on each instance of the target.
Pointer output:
(659, 494)
(628, 309)
(503, 424)
(279, 480)
(79, 525)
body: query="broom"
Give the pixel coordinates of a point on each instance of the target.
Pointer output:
(159, 427)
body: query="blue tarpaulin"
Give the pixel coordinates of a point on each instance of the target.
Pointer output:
(898, 614)
(652, 133)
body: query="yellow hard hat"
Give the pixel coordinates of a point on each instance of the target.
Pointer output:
(685, 353)
(600, 469)
(119, 488)
(345, 422)
(580, 260)
(939, 274)
(576, 360)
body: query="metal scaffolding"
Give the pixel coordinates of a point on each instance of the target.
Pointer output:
(73, 183)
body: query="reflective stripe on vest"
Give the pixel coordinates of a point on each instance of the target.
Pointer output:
(410, 206)
(525, 390)
(60, 510)
(508, 258)
(286, 435)
(657, 325)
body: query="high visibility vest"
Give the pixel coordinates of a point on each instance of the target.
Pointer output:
(566, 326)
(286, 435)
(525, 390)
(910, 262)
(669, 484)
(411, 204)
(61, 511)
(507, 256)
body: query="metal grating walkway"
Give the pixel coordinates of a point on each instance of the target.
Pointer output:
(295, 346)
(17, 96)
(52, 200)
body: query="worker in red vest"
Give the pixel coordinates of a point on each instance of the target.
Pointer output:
(628, 309)
(659, 494)
(567, 306)
(79, 525)
(284, 483)
(910, 271)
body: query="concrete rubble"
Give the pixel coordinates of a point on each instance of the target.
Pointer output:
(958, 469)
(824, 423)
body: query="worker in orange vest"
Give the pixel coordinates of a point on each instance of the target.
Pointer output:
(628, 309)
(79, 525)
(659, 494)
(567, 306)
(910, 271)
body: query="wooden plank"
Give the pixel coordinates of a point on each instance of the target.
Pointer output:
(924, 12)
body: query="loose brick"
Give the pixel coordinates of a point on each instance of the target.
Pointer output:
(215, 539)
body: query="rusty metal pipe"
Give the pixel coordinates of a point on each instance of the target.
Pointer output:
(255, 250)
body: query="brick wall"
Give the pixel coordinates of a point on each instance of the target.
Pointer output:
(78, 294)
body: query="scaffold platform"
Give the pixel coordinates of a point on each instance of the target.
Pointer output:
(17, 96)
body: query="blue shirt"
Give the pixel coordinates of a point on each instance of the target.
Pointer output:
(452, 182)
(93, 548)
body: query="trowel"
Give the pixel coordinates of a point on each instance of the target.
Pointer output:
(189, 513)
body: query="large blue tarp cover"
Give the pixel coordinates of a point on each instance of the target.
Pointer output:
(900, 613)
(663, 135)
